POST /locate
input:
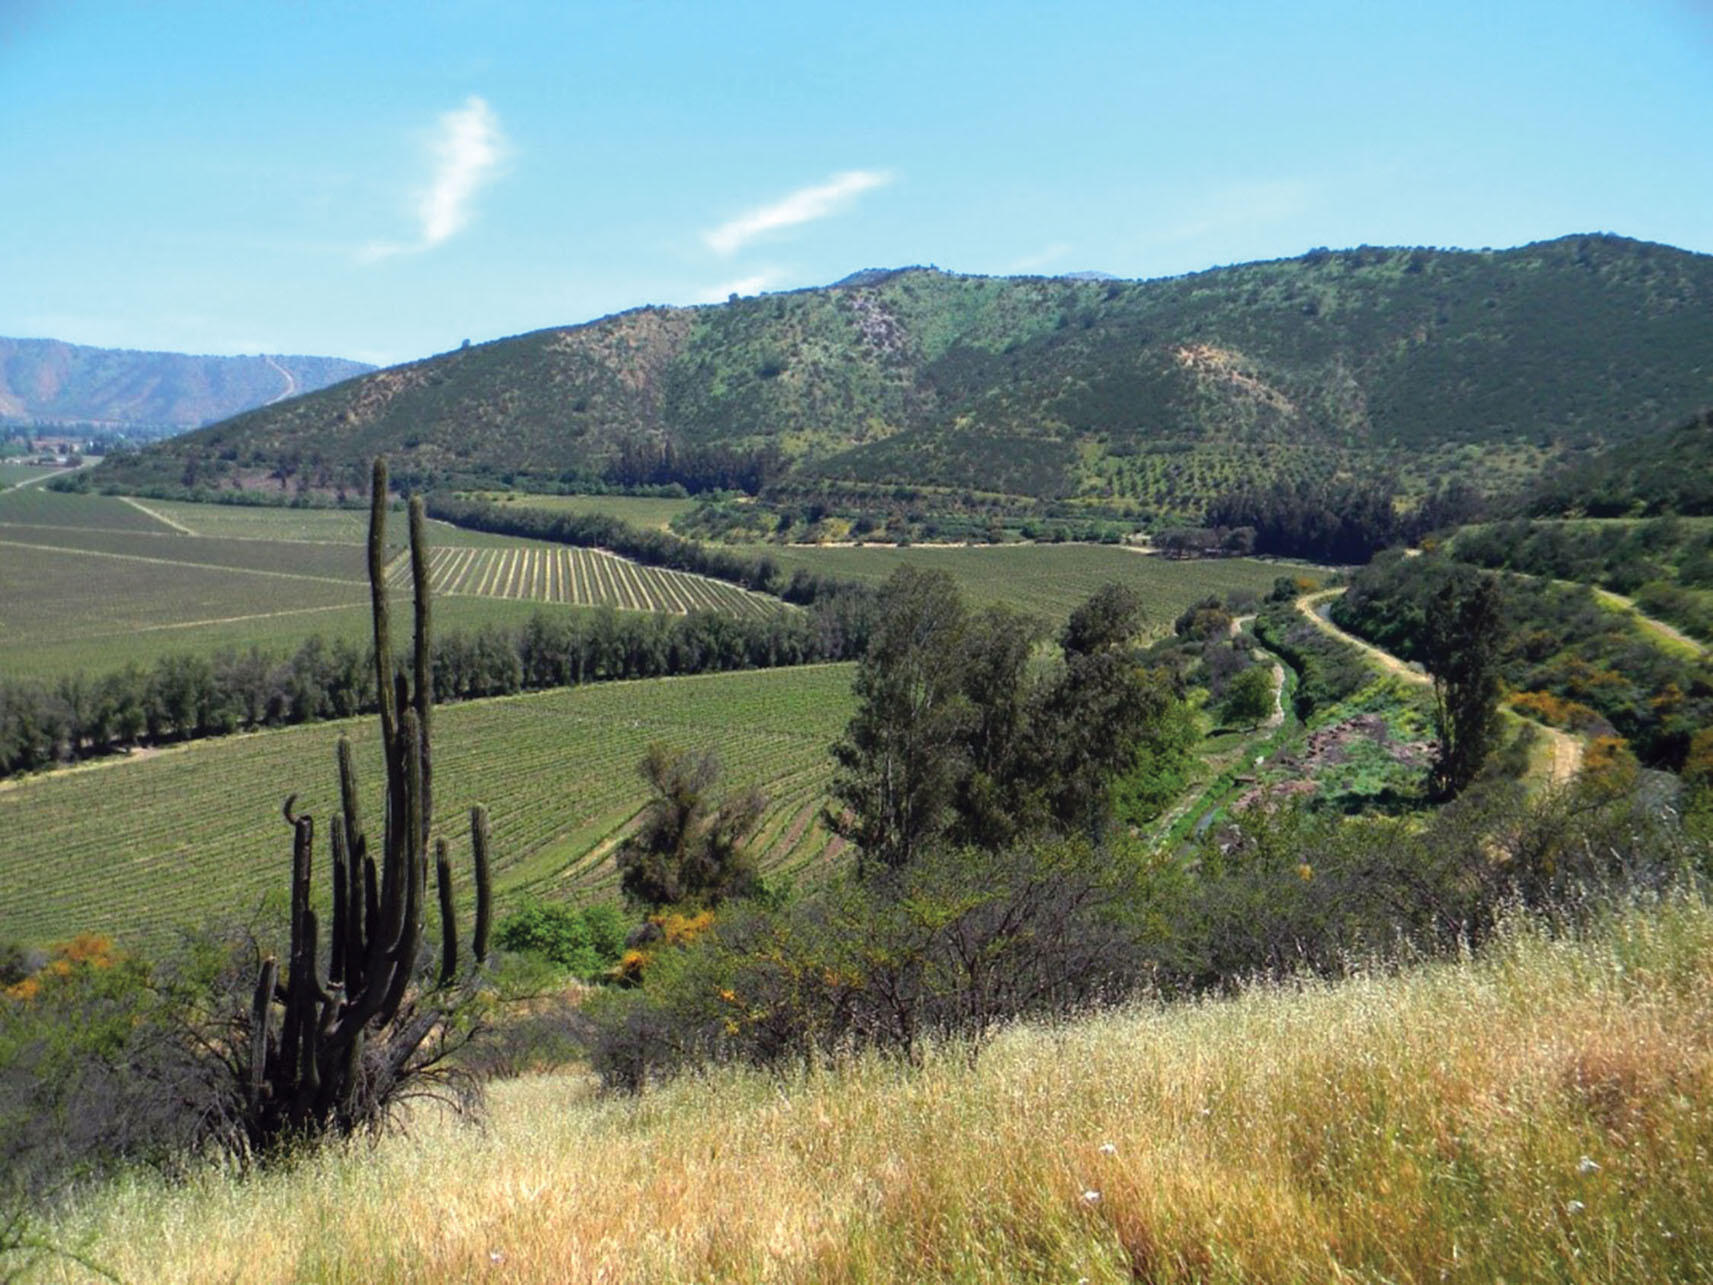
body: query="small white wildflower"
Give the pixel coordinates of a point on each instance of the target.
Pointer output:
(1588, 1164)
(496, 1256)
(1091, 1196)
(1107, 1149)
(1575, 1207)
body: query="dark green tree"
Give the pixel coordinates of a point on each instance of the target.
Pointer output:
(1094, 717)
(688, 850)
(1465, 631)
(996, 799)
(960, 737)
(904, 753)
(1248, 697)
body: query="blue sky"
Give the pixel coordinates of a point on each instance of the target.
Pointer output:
(382, 181)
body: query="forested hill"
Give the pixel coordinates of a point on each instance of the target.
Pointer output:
(44, 381)
(1031, 385)
(1671, 472)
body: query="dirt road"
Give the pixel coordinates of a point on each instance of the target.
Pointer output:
(1566, 748)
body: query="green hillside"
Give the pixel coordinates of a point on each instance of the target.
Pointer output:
(1140, 393)
(1671, 472)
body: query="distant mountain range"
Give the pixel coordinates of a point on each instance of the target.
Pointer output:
(1126, 392)
(44, 381)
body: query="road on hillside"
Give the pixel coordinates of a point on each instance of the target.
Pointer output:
(1649, 624)
(1566, 749)
(291, 380)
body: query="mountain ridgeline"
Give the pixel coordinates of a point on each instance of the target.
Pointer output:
(46, 382)
(1123, 392)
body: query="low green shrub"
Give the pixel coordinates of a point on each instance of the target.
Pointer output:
(585, 942)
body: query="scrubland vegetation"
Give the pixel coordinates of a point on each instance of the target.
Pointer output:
(1090, 951)
(1138, 397)
(1532, 1114)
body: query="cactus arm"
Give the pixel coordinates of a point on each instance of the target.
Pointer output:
(484, 884)
(378, 598)
(448, 923)
(341, 901)
(422, 655)
(261, 1013)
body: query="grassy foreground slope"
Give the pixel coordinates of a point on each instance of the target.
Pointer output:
(1537, 1114)
(138, 847)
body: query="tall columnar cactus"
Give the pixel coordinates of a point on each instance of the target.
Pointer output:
(329, 1054)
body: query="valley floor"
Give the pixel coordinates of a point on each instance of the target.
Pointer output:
(1540, 1113)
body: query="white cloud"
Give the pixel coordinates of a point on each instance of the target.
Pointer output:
(803, 206)
(468, 148)
(743, 285)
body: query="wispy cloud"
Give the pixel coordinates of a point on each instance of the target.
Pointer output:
(1042, 258)
(468, 147)
(805, 205)
(754, 284)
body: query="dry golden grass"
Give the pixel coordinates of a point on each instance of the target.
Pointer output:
(1540, 1114)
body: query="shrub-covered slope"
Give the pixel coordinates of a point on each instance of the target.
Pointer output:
(1532, 1115)
(1035, 386)
(1669, 473)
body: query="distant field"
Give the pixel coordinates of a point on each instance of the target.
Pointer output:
(280, 630)
(283, 557)
(52, 596)
(1050, 579)
(38, 506)
(234, 521)
(12, 474)
(91, 582)
(637, 510)
(137, 847)
(586, 577)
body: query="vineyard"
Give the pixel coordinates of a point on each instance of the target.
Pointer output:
(639, 511)
(91, 582)
(191, 835)
(101, 645)
(245, 522)
(1048, 579)
(13, 474)
(36, 506)
(584, 577)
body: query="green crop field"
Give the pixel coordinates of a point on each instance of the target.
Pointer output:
(1048, 579)
(284, 557)
(140, 846)
(587, 577)
(640, 511)
(91, 582)
(53, 596)
(38, 507)
(279, 630)
(247, 522)
(12, 474)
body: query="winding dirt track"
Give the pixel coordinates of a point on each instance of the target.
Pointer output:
(1648, 624)
(1566, 748)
